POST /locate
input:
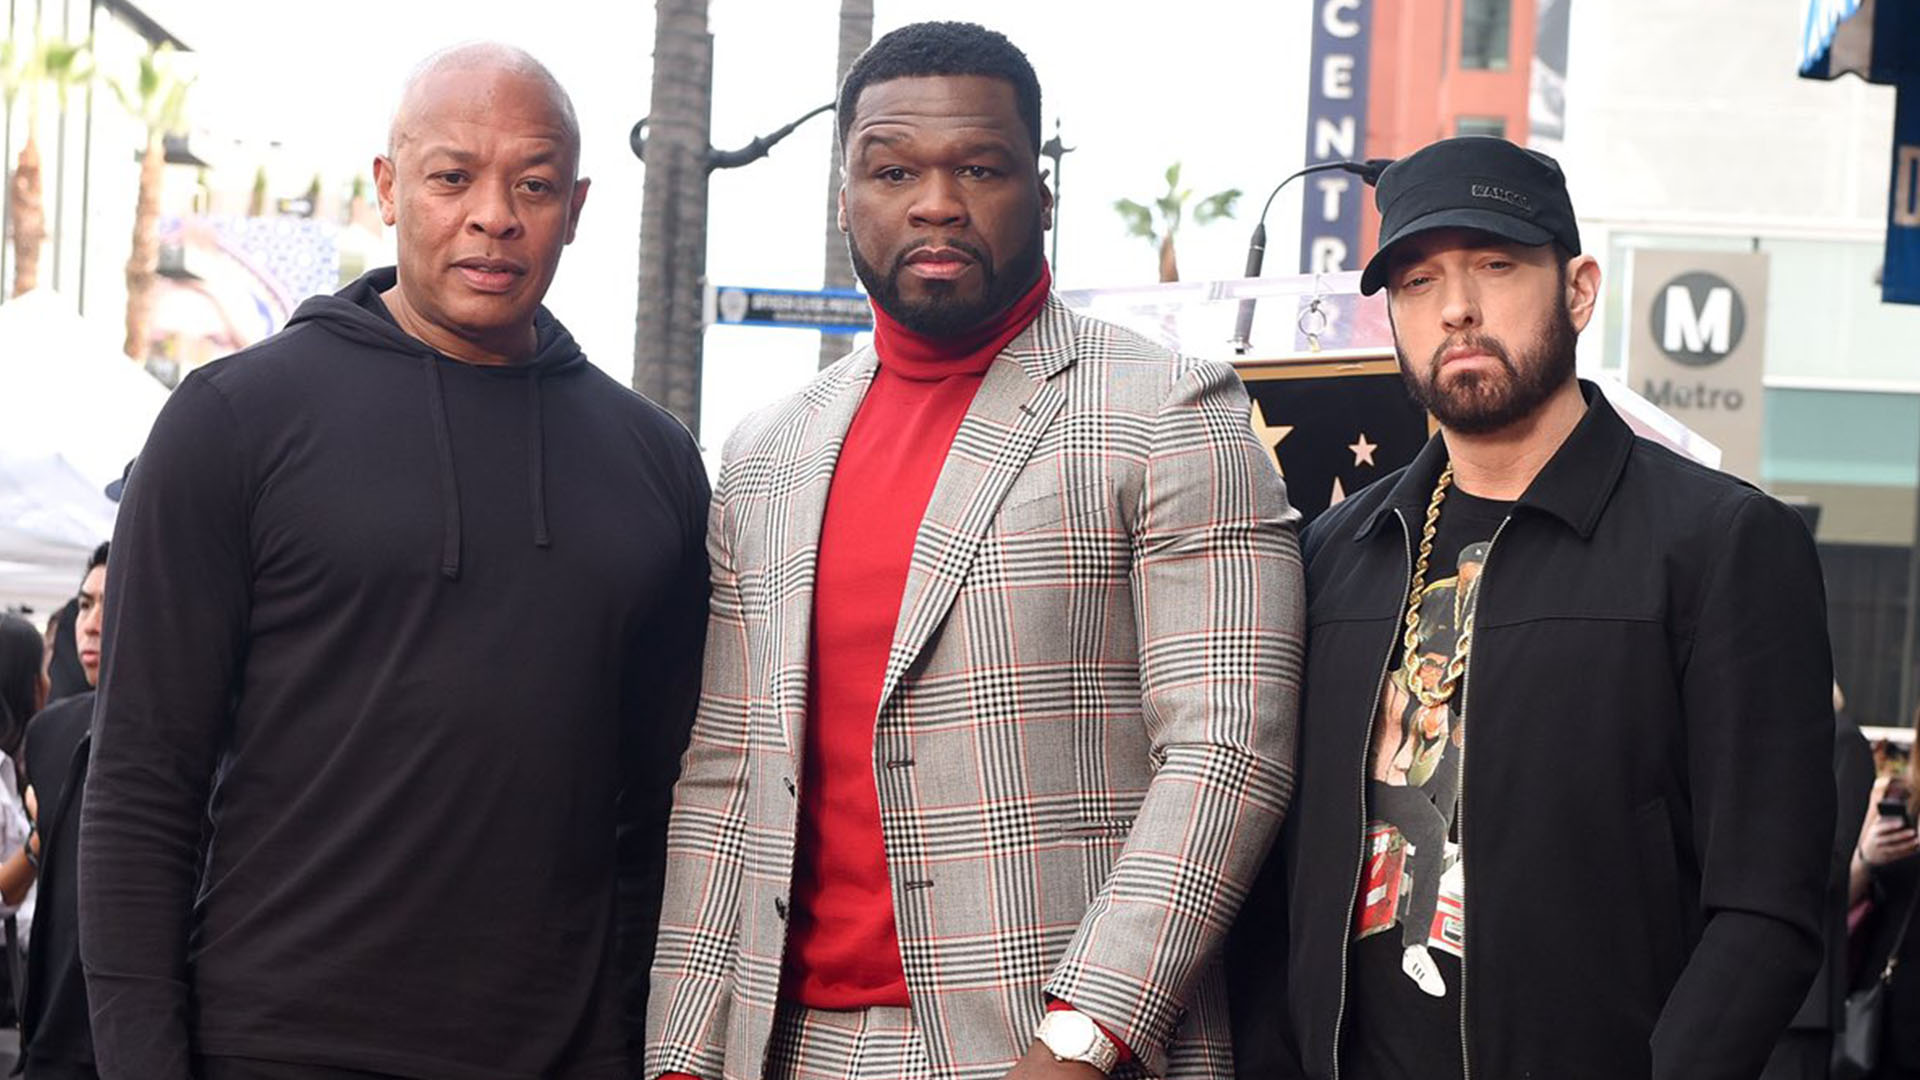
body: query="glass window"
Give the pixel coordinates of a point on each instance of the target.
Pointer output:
(1485, 34)
(1495, 126)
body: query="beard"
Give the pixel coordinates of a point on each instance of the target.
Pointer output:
(1479, 402)
(943, 313)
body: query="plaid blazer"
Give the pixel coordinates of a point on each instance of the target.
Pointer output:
(1085, 737)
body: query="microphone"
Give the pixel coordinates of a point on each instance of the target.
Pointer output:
(1368, 171)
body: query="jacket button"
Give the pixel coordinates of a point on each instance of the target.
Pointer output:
(788, 780)
(780, 908)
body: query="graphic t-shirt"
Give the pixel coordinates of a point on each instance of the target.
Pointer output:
(1403, 1019)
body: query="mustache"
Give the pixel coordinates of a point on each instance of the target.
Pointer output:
(1470, 339)
(970, 251)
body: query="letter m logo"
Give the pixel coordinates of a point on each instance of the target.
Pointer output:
(1707, 328)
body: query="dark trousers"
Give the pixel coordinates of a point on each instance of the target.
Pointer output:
(231, 1068)
(57, 1070)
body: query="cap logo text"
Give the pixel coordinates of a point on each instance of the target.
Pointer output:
(1500, 194)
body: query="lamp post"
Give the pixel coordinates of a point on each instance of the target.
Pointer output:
(1055, 149)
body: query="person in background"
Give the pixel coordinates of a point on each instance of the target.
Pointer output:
(56, 1041)
(1884, 888)
(23, 690)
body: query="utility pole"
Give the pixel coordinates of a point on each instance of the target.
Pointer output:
(668, 334)
(1054, 150)
(856, 33)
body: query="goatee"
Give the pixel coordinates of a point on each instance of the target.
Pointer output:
(1479, 402)
(942, 313)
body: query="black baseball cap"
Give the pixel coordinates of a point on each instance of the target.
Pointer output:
(1471, 182)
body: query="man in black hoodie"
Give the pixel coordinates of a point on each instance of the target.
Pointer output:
(403, 644)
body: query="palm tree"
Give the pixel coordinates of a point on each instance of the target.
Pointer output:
(667, 337)
(856, 33)
(1159, 223)
(59, 64)
(158, 100)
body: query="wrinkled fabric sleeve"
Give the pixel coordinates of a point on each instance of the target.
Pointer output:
(1218, 597)
(661, 695)
(177, 609)
(695, 955)
(1757, 692)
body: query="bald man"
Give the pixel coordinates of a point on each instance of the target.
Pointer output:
(403, 645)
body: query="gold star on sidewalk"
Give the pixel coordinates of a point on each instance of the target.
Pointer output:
(1363, 450)
(1270, 435)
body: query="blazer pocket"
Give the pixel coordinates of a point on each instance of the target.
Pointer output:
(1052, 508)
(1097, 828)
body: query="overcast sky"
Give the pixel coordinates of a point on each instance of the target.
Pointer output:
(1217, 84)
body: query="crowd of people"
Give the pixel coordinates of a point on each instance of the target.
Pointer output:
(990, 716)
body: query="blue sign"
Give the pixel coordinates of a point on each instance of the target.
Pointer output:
(1900, 278)
(1816, 37)
(1336, 131)
(1873, 41)
(839, 311)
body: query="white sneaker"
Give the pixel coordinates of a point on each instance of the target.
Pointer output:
(1419, 965)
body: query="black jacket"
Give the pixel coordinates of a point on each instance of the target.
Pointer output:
(55, 1036)
(1647, 800)
(418, 641)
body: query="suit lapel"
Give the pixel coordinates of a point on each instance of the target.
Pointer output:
(798, 489)
(1015, 403)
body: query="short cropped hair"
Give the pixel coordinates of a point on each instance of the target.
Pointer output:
(98, 558)
(944, 48)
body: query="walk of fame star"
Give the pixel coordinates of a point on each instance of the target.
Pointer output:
(1362, 451)
(1270, 435)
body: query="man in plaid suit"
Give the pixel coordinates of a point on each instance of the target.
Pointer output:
(1004, 656)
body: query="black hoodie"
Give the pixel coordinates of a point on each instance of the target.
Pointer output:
(401, 655)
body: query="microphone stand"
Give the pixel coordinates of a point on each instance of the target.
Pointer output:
(1368, 170)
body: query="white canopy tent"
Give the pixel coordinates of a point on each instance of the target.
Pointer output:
(73, 411)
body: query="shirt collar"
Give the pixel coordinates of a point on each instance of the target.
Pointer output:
(1573, 486)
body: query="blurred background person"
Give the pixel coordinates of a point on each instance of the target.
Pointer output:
(56, 1038)
(23, 690)
(1883, 890)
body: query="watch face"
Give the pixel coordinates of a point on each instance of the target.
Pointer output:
(1073, 1034)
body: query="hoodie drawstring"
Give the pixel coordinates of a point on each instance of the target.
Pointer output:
(449, 483)
(536, 462)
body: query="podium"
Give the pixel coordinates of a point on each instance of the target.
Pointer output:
(1320, 369)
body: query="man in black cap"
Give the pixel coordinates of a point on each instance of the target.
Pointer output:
(1624, 877)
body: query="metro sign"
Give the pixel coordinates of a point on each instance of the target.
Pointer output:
(1698, 318)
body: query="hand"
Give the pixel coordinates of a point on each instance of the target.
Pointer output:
(1040, 1064)
(1885, 840)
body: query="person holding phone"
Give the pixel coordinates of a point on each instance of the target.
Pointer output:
(1886, 876)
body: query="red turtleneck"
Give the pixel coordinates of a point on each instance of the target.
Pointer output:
(843, 951)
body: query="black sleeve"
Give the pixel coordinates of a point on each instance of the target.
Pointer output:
(1757, 689)
(1853, 771)
(661, 694)
(177, 608)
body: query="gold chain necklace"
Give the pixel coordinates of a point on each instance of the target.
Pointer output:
(1410, 660)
